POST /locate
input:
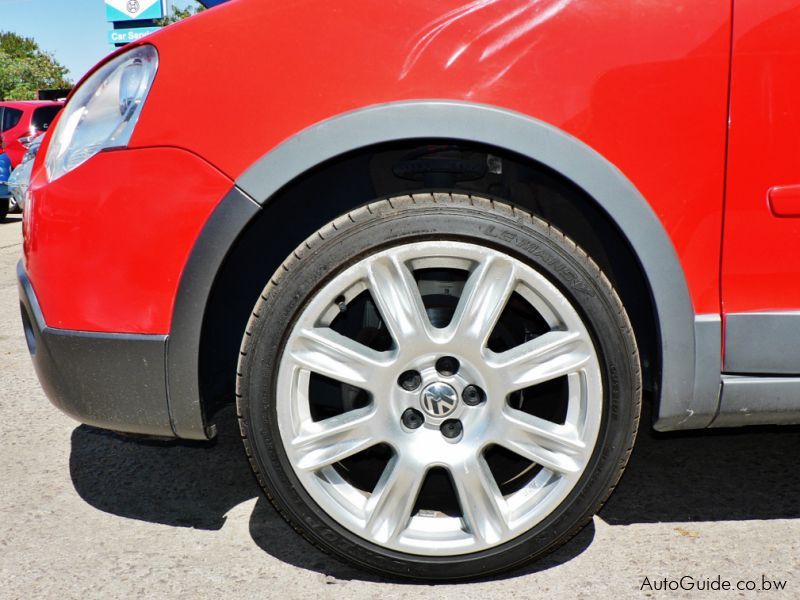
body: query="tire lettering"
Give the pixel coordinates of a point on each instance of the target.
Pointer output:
(536, 250)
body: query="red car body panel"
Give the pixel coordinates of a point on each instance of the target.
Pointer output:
(93, 275)
(760, 270)
(645, 85)
(11, 144)
(686, 112)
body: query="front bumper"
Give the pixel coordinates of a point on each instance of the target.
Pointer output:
(113, 381)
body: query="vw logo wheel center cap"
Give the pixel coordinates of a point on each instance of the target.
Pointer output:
(439, 400)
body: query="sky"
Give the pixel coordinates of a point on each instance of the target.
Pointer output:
(74, 31)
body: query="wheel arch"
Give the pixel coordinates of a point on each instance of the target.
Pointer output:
(688, 344)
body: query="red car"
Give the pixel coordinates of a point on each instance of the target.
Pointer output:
(457, 244)
(21, 122)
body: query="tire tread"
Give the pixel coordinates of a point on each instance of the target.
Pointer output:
(394, 205)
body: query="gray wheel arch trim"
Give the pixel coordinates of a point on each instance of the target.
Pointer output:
(688, 393)
(688, 399)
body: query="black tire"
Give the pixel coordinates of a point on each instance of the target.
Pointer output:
(438, 216)
(4, 202)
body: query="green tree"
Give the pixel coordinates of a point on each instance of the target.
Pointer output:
(25, 68)
(179, 14)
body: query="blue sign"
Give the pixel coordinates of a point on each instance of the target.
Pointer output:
(211, 3)
(125, 36)
(134, 10)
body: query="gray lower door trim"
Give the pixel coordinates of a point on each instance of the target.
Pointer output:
(758, 401)
(763, 342)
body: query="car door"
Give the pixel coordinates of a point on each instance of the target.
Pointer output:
(760, 269)
(14, 125)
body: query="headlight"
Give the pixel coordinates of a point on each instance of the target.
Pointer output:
(103, 111)
(32, 151)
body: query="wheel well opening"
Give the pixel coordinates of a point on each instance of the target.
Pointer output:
(362, 176)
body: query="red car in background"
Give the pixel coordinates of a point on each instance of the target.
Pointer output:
(457, 244)
(21, 122)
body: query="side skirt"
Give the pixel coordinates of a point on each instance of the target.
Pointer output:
(761, 382)
(753, 400)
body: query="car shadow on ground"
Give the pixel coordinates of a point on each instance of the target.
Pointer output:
(706, 476)
(10, 220)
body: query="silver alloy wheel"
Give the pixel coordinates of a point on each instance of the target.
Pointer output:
(489, 518)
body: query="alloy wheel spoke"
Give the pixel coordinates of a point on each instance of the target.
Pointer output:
(326, 442)
(484, 425)
(551, 355)
(326, 352)
(485, 295)
(399, 301)
(482, 504)
(552, 446)
(389, 508)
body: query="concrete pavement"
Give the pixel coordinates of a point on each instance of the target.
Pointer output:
(88, 514)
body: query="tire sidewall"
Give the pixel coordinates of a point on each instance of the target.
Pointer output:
(507, 230)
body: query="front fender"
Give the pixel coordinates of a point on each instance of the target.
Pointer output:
(689, 344)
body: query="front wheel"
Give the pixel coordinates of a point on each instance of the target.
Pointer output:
(438, 387)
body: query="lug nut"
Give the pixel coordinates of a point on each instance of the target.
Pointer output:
(412, 418)
(472, 395)
(451, 428)
(447, 366)
(409, 380)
